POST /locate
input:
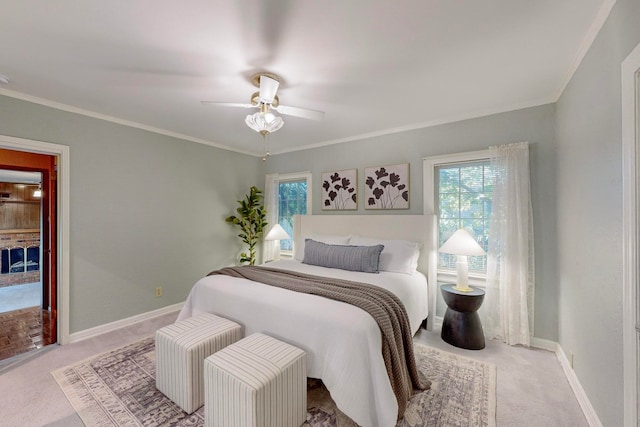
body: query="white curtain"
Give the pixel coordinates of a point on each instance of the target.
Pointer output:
(269, 248)
(507, 312)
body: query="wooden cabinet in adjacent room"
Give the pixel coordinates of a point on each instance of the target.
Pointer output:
(19, 209)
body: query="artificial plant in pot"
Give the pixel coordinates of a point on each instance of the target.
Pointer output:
(251, 219)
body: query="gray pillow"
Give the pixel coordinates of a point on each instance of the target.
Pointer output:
(353, 258)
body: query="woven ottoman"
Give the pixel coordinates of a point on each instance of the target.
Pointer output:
(180, 352)
(256, 382)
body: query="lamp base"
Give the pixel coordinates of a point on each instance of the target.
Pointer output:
(462, 270)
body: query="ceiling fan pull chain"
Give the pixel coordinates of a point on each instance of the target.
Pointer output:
(266, 147)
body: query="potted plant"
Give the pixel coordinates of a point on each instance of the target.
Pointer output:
(252, 221)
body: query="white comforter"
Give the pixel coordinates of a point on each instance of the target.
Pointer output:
(343, 342)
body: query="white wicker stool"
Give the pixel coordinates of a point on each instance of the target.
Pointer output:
(256, 382)
(180, 352)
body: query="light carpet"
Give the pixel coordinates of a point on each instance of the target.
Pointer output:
(117, 388)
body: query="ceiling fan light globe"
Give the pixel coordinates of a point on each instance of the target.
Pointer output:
(260, 124)
(276, 124)
(269, 117)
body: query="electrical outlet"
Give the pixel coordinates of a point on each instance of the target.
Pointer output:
(158, 292)
(571, 359)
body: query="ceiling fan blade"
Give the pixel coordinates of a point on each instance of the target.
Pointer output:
(300, 112)
(229, 104)
(268, 89)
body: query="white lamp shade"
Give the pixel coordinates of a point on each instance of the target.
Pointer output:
(277, 233)
(462, 243)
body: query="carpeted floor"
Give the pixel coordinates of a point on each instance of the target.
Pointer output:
(532, 388)
(118, 388)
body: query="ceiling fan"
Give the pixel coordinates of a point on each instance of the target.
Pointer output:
(266, 101)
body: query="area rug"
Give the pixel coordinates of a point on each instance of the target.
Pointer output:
(117, 388)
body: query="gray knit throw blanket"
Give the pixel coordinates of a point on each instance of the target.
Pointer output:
(384, 306)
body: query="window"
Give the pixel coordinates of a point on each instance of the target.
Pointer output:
(292, 200)
(286, 195)
(458, 188)
(463, 200)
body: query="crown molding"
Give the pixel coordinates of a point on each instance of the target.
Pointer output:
(117, 120)
(587, 41)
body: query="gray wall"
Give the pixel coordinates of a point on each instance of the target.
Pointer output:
(132, 190)
(535, 125)
(145, 210)
(589, 166)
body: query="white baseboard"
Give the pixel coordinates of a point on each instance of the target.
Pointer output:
(108, 327)
(545, 344)
(583, 400)
(578, 391)
(437, 323)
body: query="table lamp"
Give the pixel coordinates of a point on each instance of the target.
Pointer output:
(462, 244)
(276, 234)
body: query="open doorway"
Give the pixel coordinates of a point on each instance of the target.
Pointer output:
(27, 266)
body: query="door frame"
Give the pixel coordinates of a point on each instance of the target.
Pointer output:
(630, 229)
(45, 165)
(63, 185)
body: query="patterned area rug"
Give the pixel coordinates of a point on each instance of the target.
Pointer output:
(118, 389)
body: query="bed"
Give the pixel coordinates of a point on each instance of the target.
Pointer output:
(342, 341)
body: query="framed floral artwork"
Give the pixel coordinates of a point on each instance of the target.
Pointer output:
(387, 187)
(339, 190)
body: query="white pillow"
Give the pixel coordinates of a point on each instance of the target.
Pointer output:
(399, 256)
(298, 245)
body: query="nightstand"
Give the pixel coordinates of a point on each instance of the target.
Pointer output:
(461, 325)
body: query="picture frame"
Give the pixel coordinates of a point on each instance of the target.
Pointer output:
(340, 190)
(387, 187)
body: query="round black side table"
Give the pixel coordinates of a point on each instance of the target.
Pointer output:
(461, 326)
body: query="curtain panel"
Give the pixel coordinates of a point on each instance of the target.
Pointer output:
(269, 248)
(507, 313)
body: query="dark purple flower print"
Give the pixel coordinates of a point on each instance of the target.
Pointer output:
(338, 190)
(370, 182)
(386, 187)
(381, 173)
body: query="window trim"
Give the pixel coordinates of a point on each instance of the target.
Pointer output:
(298, 176)
(429, 165)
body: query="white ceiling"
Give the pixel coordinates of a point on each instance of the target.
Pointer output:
(373, 66)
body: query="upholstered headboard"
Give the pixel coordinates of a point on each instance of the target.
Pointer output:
(416, 228)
